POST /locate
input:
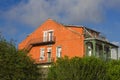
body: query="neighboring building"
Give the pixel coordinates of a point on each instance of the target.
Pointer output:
(53, 40)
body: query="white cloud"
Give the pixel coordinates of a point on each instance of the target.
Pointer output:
(116, 43)
(66, 11)
(36, 11)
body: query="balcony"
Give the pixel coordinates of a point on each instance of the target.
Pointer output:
(46, 60)
(39, 41)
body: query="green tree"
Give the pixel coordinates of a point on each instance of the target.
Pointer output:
(14, 64)
(88, 68)
(114, 69)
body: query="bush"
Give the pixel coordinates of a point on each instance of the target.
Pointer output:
(114, 69)
(88, 68)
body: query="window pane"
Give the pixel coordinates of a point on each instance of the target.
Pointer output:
(45, 36)
(50, 36)
(58, 52)
(42, 53)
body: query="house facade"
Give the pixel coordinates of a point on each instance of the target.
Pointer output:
(52, 40)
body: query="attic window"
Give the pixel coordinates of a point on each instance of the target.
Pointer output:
(48, 35)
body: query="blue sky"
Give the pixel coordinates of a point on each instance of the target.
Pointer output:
(18, 18)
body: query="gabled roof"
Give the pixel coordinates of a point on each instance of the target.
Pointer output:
(74, 26)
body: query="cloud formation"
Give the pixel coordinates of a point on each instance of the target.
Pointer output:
(34, 12)
(66, 11)
(116, 43)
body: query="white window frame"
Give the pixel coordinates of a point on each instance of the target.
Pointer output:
(47, 36)
(49, 49)
(89, 50)
(58, 51)
(50, 35)
(42, 53)
(49, 54)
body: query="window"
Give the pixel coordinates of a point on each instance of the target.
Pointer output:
(45, 36)
(49, 52)
(42, 54)
(89, 51)
(48, 35)
(58, 52)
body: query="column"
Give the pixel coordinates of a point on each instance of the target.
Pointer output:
(117, 53)
(86, 50)
(103, 52)
(109, 52)
(94, 47)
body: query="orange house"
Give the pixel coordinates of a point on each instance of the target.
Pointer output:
(53, 40)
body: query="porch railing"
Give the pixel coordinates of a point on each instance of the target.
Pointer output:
(45, 60)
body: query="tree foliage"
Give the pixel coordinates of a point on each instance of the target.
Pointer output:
(14, 64)
(78, 69)
(114, 69)
(87, 68)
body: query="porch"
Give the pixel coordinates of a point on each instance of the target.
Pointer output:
(100, 48)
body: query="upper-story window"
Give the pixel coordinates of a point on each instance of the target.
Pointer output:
(58, 52)
(48, 35)
(45, 36)
(42, 54)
